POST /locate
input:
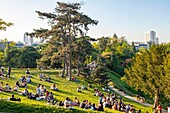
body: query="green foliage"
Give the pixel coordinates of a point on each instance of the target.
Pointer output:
(100, 76)
(116, 52)
(25, 57)
(4, 25)
(150, 71)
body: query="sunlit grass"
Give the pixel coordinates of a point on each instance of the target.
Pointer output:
(66, 89)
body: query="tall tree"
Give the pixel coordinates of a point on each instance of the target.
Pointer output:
(66, 24)
(149, 72)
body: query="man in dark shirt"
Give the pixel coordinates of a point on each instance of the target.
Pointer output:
(14, 99)
(9, 72)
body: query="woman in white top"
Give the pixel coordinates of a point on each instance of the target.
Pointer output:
(67, 103)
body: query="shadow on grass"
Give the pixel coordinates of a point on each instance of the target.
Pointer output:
(15, 107)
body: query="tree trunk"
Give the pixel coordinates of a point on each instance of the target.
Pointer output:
(64, 67)
(70, 56)
(67, 66)
(78, 73)
(156, 101)
(63, 72)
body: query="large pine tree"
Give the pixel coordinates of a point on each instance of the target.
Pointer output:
(67, 23)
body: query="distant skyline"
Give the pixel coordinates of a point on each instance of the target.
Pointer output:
(129, 18)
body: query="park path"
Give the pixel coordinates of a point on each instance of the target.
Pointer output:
(132, 98)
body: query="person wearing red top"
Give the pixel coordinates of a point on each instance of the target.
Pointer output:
(159, 108)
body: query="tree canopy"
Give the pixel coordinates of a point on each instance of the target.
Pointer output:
(150, 71)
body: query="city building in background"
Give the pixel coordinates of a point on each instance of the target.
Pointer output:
(150, 37)
(28, 41)
(19, 44)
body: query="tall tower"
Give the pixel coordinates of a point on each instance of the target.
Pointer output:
(150, 37)
(28, 41)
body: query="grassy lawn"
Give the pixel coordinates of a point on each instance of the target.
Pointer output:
(66, 89)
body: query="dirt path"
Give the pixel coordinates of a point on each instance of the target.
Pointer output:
(132, 98)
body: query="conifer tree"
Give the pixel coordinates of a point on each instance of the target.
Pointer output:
(150, 72)
(66, 23)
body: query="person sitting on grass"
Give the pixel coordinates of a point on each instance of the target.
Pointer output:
(93, 107)
(67, 103)
(21, 79)
(17, 84)
(15, 88)
(54, 87)
(88, 106)
(43, 90)
(83, 104)
(38, 90)
(24, 84)
(89, 85)
(1, 86)
(61, 103)
(32, 96)
(40, 76)
(25, 92)
(7, 88)
(28, 80)
(27, 71)
(100, 107)
(51, 97)
(48, 79)
(77, 102)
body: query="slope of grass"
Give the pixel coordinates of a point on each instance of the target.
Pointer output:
(121, 85)
(66, 89)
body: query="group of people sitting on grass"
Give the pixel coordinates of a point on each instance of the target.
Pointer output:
(111, 101)
(16, 87)
(43, 77)
(70, 104)
(41, 93)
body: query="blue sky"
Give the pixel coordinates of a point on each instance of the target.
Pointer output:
(129, 18)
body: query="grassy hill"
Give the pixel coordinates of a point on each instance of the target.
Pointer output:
(66, 89)
(121, 85)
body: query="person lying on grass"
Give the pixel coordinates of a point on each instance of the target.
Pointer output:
(78, 89)
(12, 98)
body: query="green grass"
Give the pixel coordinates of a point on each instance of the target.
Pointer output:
(66, 89)
(121, 85)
